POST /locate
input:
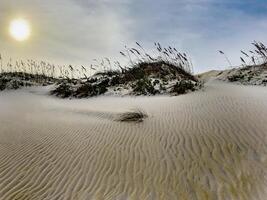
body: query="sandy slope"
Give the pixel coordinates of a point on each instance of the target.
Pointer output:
(249, 75)
(205, 145)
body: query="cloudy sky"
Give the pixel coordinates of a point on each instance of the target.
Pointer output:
(77, 31)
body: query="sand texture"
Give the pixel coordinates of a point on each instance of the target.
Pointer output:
(209, 144)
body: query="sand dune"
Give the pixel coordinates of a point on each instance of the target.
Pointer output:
(209, 144)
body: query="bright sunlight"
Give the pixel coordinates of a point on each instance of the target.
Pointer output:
(19, 29)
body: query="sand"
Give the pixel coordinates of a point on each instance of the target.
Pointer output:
(209, 144)
(249, 75)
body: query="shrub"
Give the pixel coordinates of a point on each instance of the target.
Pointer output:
(182, 87)
(115, 80)
(63, 91)
(132, 116)
(144, 87)
(89, 90)
(235, 77)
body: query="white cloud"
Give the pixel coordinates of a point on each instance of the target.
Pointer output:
(76, 31)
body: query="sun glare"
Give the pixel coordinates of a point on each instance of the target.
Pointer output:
(19, 29)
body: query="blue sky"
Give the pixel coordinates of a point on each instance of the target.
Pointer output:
(77, 31)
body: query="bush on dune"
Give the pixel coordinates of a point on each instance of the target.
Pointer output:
(253, 69)
(144, 87)
(183, 87)
(144, 74)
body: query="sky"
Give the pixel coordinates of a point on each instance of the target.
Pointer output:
(78, 31)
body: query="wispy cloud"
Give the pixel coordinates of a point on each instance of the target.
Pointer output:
(77, 31)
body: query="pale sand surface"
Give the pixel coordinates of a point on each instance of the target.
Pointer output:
(209, 144)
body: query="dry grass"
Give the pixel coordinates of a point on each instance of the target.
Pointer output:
(254, 57)
(138, 55)
(132, 116)
(135, 56)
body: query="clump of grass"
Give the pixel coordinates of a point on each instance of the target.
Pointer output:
(90, 88)
(16, 80)
(254, 57)
(136, 56)
(168, 55)
(44, 69)
(64, 90)
(261, 51)
(165, 64)
(236, 77)
(226, 58)
(182, 87)
(144, 73)
(132, 116)
(253, 66)
(257, 56)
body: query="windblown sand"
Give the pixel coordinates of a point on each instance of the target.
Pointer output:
(209, 144)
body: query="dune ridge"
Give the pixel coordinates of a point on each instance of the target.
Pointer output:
(205, 145)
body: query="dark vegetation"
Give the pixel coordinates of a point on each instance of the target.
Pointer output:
(165, 72)
(250, 75)
(182, 87)
(16, 80)
(132, 116)
(254, 57)
(254, 66)
(168, 72)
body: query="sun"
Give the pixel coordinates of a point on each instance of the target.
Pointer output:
(19, 29)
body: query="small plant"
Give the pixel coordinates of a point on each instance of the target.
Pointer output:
(226, 58)
(261, 51)
(132, 116)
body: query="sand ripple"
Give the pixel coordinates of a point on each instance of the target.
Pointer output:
(206, 145)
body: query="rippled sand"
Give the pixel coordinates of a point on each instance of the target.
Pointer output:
(209, 144)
